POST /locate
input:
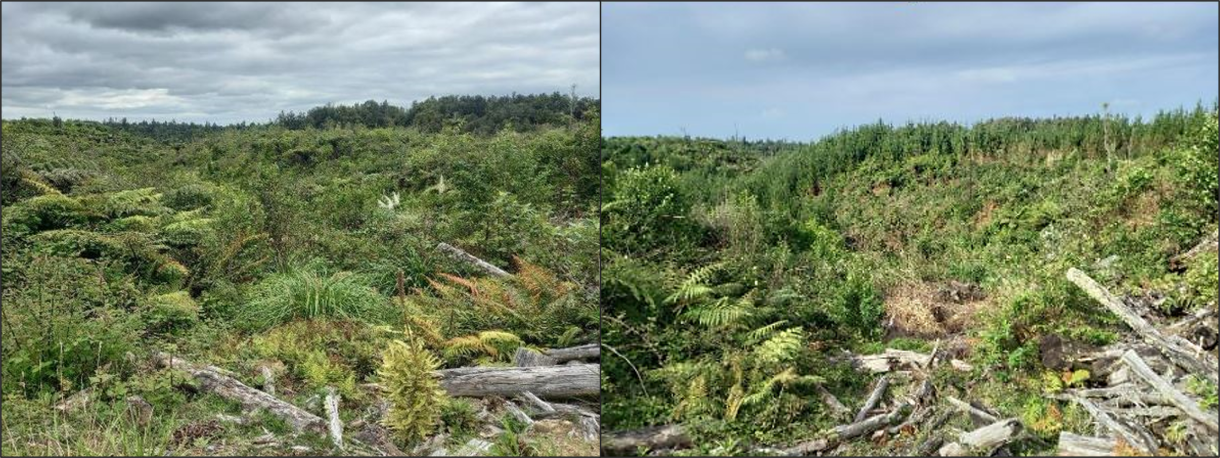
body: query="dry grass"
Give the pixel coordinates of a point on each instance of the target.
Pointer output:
(931, 310)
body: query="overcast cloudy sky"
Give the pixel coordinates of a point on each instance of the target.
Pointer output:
(232, 62)
(799, 71)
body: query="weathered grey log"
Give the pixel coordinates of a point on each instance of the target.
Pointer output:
(924, 393)
(834, 436)
(912, 422)
(1123, 394)
(977, 416)
(543, 406)
(1177, 349)
(561, 355)
(874, 398)
(888, 360)
(1076, 445)
(624, 443)
(564, 409)
(517, 413)
(463, 256)
(1188, 405)
(268, 379)
(929, 446)
(332, 412)
(1141, 440)
(545, 382)
(230, 388)
(525, 357)
(987, 439)
(837, 408)
(1208, 243)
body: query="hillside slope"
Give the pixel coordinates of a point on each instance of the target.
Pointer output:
(736, 275)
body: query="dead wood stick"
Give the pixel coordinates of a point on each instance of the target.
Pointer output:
(977, 415)
(1177, 349)
(987, 439)
(230, 388)
(836, 407)
(874, 398)
(1142, 441)
(1209, 242)
(517, 413)
(1076, 445)
(525, 357)
(836, 435)
(332, 411)
(461, 255)
(544, 406)
(562, 355)
(623, 443)
(1189, 406)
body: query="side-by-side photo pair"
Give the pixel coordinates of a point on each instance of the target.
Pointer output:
(609, 229)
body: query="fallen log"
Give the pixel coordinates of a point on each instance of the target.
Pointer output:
(543, 406)
(230, 388)
(874, 398)
(562, 355)
(332, 412)
(517, 413)
(525, 357)
(888, 360)
(1181, 351)
(1208, 243)
(1122, 394)
(1142, 441)
(625, 443)
(834, 436)
(977, 416)
(987, 439)
(837, 408)
(462, 256)
(1076, 445)
(545, 382)
(1189, 406)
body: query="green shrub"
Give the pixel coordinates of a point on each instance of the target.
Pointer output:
(647, 212)
(857, 307)
(61, 323)
(172, 311)
(415, 396)
(188, 197)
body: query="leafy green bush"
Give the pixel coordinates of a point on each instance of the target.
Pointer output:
(647, 212)
(171, 311)
(415, 396)
(61, 323)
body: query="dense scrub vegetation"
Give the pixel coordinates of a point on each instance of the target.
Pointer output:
(299, 254)
(736, 272)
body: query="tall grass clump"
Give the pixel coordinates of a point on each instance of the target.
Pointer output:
(303, 293)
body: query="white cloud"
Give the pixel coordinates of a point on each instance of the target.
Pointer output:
(765, 55)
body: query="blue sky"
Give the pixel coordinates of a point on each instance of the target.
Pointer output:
(800, 71)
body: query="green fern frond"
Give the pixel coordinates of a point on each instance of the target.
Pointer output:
(765, 332)
(784, 346)
(719, 313)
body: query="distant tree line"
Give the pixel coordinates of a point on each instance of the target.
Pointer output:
(467, 113)
(477, 114)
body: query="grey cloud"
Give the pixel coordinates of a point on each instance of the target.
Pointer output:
(228, 62)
